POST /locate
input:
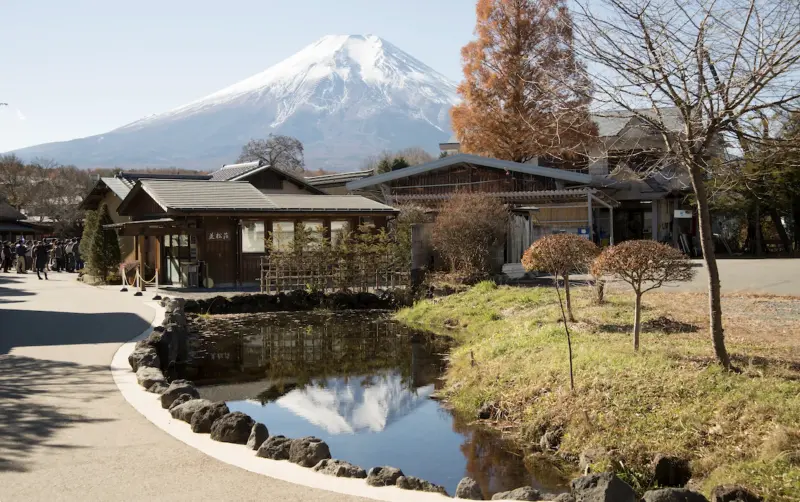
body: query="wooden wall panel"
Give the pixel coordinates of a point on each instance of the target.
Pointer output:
(219, 249)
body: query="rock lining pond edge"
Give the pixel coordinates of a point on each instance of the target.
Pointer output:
(167, 337)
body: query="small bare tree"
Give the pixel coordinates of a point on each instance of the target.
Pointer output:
(561, 255)
(718, 63)
(466, 232)
(645, 265)
(282, 152)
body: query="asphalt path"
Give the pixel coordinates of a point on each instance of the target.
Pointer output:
(66, 433)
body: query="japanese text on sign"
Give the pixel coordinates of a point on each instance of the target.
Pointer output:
(219, 236)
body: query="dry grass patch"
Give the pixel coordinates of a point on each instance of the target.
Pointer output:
(670, 398)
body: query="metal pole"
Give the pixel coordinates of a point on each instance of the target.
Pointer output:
(611, 224)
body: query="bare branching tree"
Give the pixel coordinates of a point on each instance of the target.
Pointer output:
(645, 265)
(718, 63)
(282, 152)
(412, 156)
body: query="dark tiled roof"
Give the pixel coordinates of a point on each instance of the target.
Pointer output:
(231, 171)
(120, 186)
(612, 122)
(338, 178)
(334, 203)
(8, 213)
(198, 195)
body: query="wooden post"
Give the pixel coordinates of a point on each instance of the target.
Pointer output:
(418, 258)
(589, 206)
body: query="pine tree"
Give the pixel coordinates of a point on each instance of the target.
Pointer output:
(104, 256)
(524, 93)
(399, 163)
(90, 225)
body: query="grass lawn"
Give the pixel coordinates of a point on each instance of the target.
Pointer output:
(669, 398)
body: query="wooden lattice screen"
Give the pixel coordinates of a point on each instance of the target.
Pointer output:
(360, 272)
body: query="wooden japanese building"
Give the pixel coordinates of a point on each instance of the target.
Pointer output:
(217, 229)
(13, 225)
(542, 200)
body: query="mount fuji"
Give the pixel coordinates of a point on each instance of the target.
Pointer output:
(345, 97)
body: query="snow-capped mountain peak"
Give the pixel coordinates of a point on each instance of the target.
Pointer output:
(344, 96)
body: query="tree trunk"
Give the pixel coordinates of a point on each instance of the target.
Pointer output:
(796, 222)
(759, 241)
(569, 338)
(750, 242)
(776, 220)
(599, 291)
(710, 259)
(568, 299)
(637, 320)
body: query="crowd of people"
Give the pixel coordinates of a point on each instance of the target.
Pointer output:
(40, 256)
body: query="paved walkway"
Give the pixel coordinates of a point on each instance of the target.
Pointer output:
(66, 433)
(761, 276)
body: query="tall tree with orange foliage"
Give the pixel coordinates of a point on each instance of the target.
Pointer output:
(524, 93)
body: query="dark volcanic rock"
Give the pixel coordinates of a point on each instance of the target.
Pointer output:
(486, 410)
(258, 434)
(186, 410)
(603, 487)
(147, 376)
(671, 471)
(468, 489)
(205, 416)
(673, 495)
(523, 493)
(180, 400)
(232, 428)
(158, 388)
(733, 493)
(551, 439)
(340, 469)
(175, 389)
(383, 476)
(308, 451)
(420, 485)
(275, 448)
(141, 357)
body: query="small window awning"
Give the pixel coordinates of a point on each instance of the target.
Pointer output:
(139, 223)
(158, 226)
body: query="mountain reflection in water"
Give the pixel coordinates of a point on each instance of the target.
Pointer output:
(362, 383)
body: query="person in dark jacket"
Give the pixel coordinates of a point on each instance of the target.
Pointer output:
(59, 256)
(5, 258)
(41, 253)
(20, 250)
(78, 258)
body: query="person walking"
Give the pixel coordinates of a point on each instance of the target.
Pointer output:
(41, 255)
(78, 258)
(69, 258)
(59, 256)
(20, 250)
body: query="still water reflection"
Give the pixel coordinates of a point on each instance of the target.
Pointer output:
(362, 383)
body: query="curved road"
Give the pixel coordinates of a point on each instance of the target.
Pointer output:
(66, 433)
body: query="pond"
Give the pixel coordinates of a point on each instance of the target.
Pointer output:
(362, 383)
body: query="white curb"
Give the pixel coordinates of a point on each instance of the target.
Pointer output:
(149, 405)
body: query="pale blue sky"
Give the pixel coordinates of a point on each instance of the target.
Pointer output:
(73, 68)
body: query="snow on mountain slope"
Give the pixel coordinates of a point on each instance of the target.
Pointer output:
(345, 97)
